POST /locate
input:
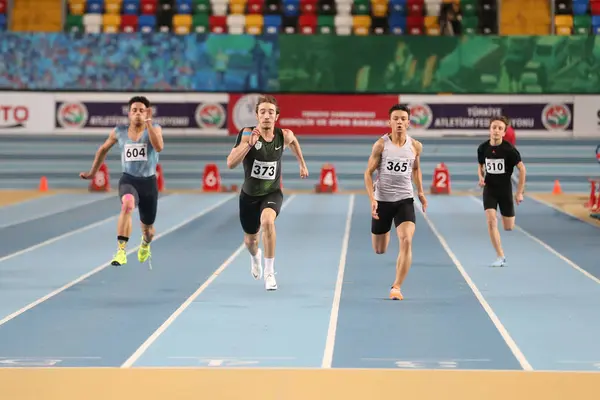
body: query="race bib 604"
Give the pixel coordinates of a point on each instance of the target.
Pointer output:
(494, 165)
(397, 166)
(264, 170)
(136, 152)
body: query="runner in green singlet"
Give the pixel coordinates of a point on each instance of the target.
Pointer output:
(260, 149)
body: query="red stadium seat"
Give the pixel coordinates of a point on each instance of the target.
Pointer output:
(415, 7)
(218, 23)
(415, 24)
(129, 23)
(148, 7)
(308, 6)
(307, 24)
(2, 6)
(255, 6)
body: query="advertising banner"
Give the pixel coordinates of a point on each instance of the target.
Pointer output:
(587, 117)
(530, 116)
(23, 113)
(180, 114)
(318, 114)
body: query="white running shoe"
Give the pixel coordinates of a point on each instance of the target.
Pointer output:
(500, 262)
(270, 282)
(256, 267)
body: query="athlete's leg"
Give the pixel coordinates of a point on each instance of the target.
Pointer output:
(507, 210)
(406, 231)
(128, 195)
(250, 220)
(270, 208)
(490, 204)
(147, 208)
(380, 227)
(405, 228)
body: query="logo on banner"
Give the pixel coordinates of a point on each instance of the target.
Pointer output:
(556, 117)
(421, 116)
(72, 115)
(13, 116)
(598, 153)
(244, 111)
(210, 115)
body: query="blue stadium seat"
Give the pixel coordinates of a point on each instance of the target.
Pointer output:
(147, 23)
(2, 22)
(580, 7)
(95, 6)
(397, 7)
(397, 24)
(183, 6)
(291, 8)
(272, 24)
(131, 7)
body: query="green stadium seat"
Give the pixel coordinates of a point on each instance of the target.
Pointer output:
(74, 23)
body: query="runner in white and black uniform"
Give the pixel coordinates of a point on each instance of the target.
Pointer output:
(497, 160)
(395, 157)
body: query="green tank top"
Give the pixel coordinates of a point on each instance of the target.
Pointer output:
(262, 165)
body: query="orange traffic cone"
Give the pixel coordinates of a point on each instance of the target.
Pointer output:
(557, 189)
(43, 184)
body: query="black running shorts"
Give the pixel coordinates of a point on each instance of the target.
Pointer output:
(251, 208)
(396, 211)
(145, 193)
(494, 198)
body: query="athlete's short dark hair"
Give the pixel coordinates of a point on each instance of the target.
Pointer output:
(267, 98)
(399, 107)
(139, 99)
(501, 118)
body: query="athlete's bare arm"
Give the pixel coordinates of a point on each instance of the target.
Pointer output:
(372, 165)
(522, 173)
(417, 173)
(101, 155)
(237, 154)
(154, 133)
(290, 140)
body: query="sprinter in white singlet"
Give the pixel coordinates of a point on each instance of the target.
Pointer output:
(395, 157)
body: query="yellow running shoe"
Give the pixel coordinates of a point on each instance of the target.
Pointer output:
(144, 253)
(120, 258)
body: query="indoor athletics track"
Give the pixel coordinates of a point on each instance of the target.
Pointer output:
(62, 305)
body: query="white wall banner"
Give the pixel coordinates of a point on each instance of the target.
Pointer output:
(181, 114)
(26, 112)
(460, 115)
(587, 117)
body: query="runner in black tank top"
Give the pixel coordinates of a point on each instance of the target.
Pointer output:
(497, 159)
(260, 149)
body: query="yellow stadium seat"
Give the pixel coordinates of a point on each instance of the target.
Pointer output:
(361, 24)
(563, 24)
(112, 6)
(432, 26)
(379, 8)
(111, 23)
(77, 7)
(254, 24)
(182, 24)
(564, 20)
(237, 7)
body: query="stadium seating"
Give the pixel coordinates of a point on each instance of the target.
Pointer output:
(3, 19)
(308, 17)
(525, 17)
(32, 15)
(577, 17)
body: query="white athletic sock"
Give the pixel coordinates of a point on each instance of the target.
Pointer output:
(269, 266)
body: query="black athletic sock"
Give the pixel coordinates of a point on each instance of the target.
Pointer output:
(122, 240)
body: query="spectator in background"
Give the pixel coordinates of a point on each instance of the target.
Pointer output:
(450, 19)
(511, 138)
